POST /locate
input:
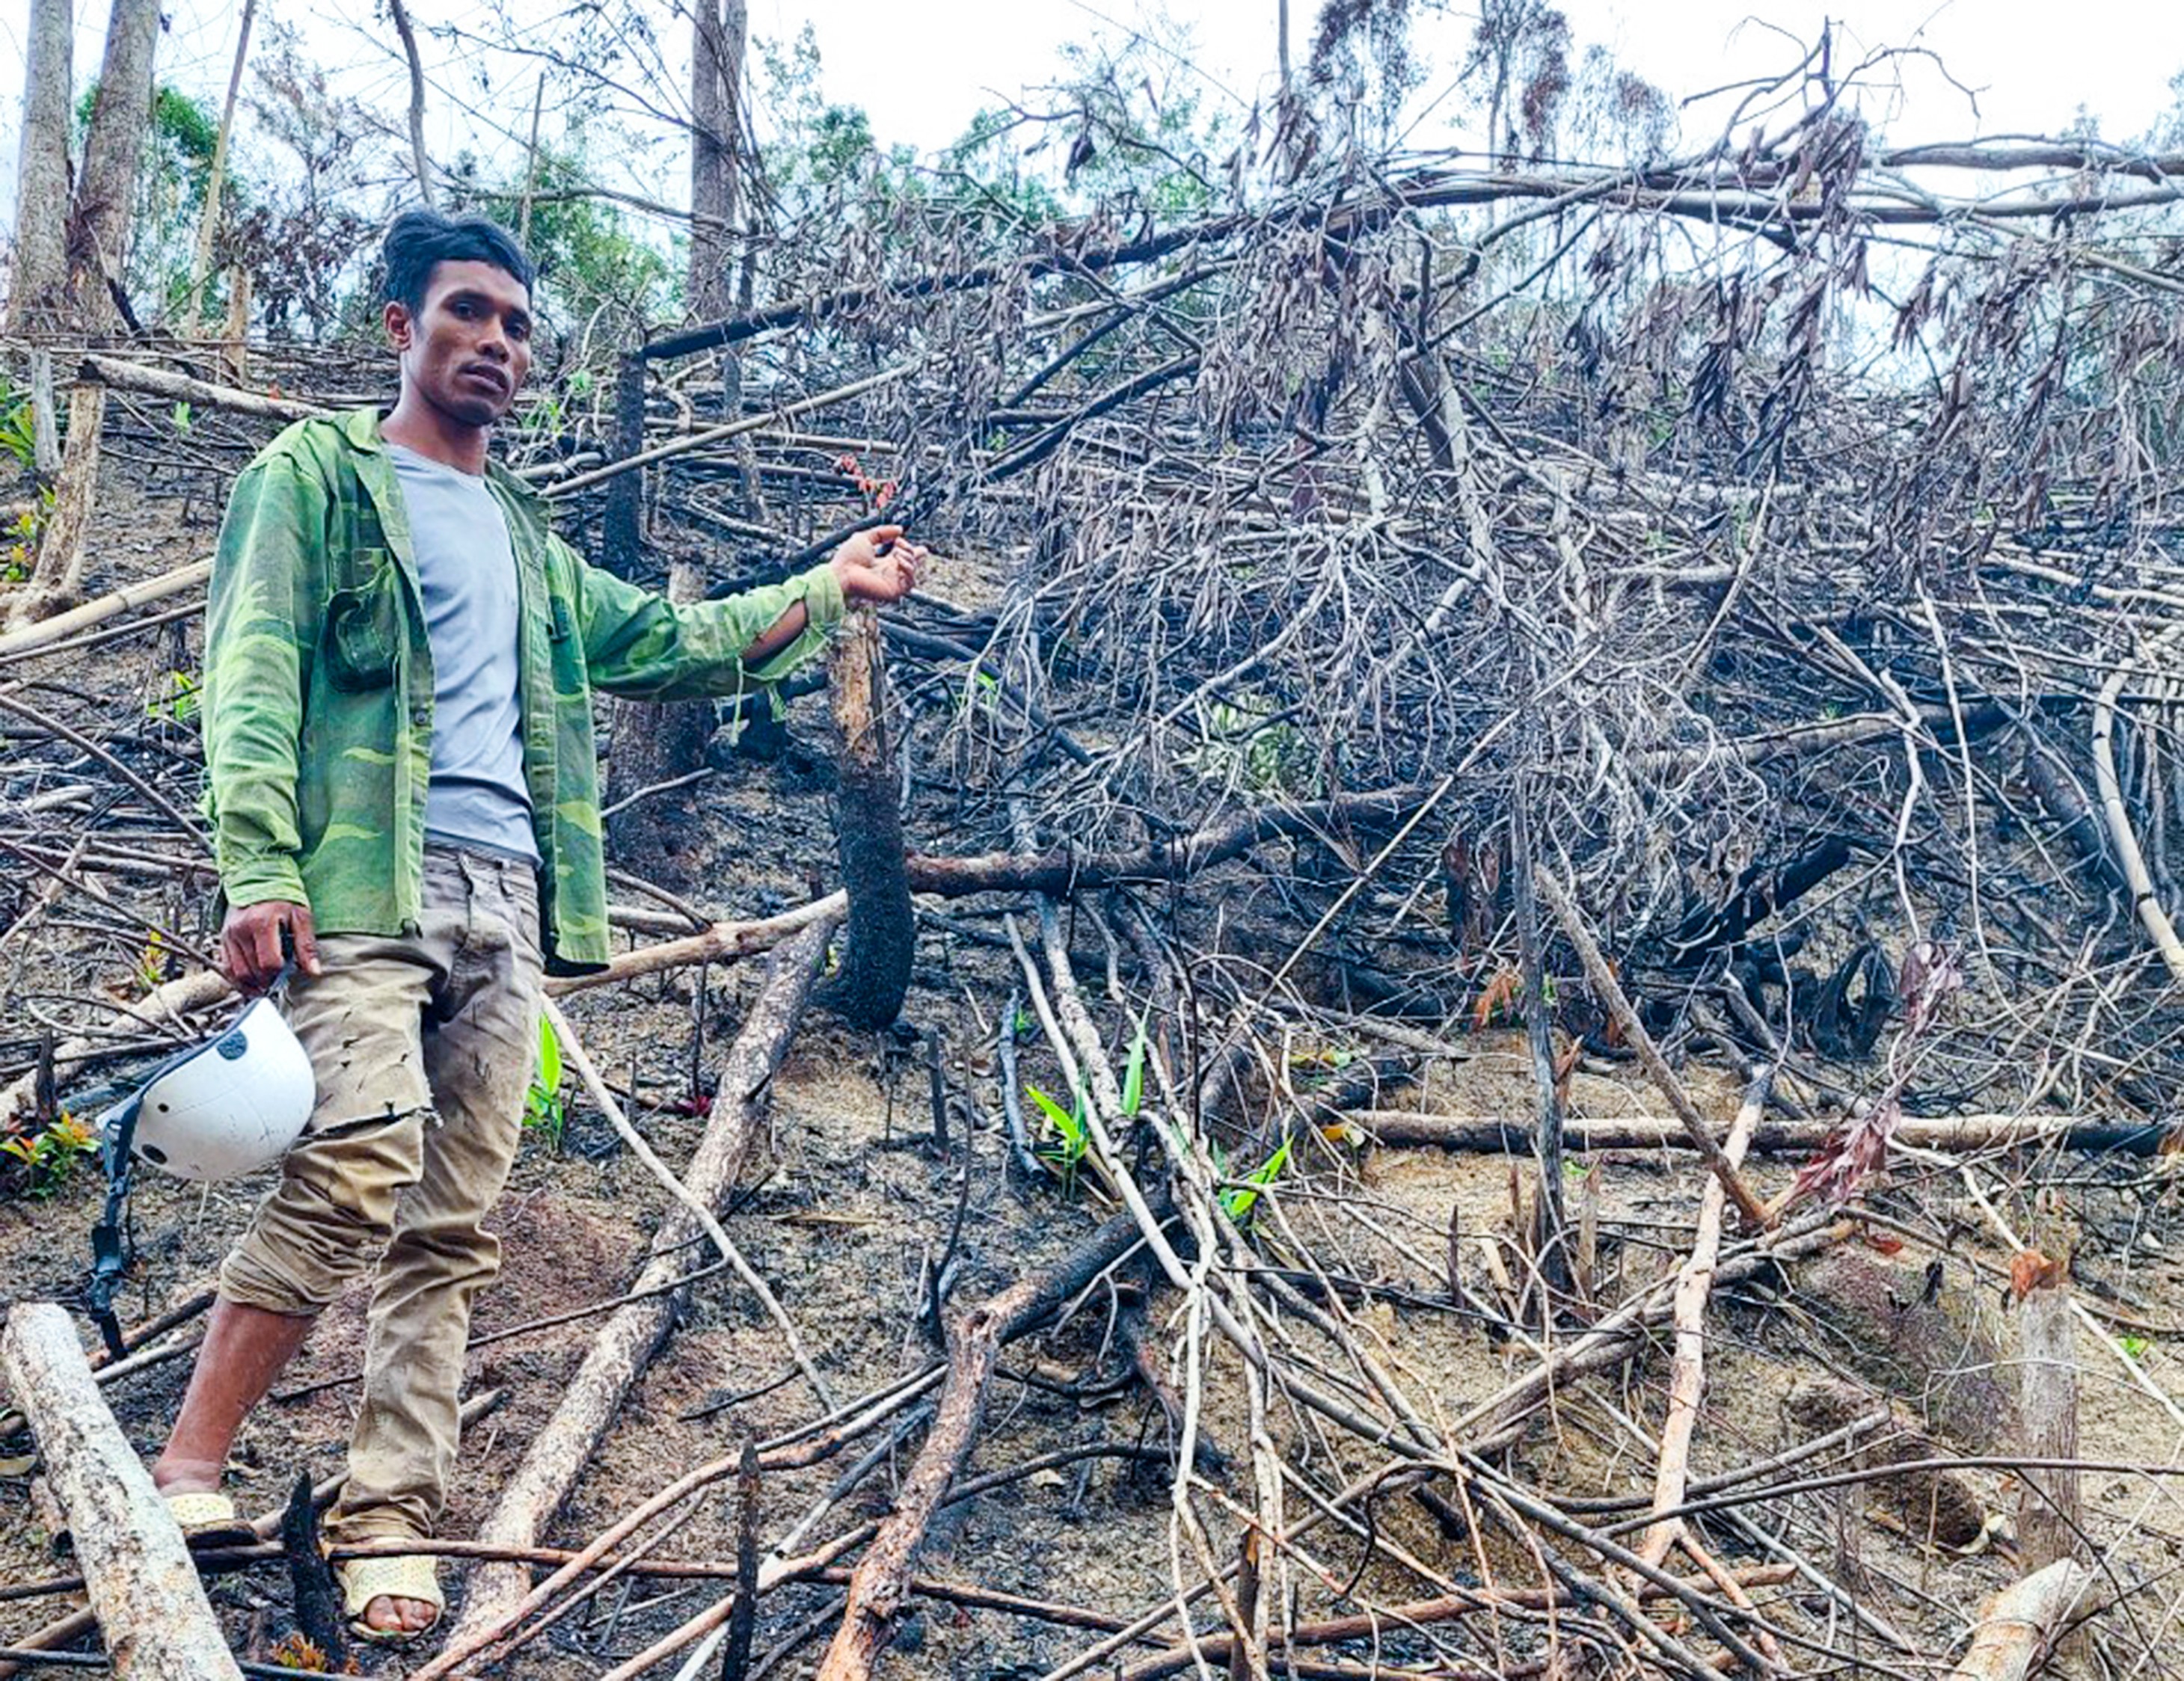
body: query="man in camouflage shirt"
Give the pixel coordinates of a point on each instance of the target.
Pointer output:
(400, 658)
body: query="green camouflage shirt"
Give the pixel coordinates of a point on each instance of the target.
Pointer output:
(317, 695)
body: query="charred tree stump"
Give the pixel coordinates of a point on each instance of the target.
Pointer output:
(318, 1601)
(144, 1590)
(625, 509)
(655, 742)
(883, 928)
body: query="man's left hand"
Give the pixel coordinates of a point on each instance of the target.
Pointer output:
(878, 565)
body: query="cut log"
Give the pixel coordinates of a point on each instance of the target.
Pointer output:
(882, 927)
(2021, 1623)
(631, 1337)
(151, 1608)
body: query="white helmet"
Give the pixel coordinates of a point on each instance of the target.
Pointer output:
(225, 1107)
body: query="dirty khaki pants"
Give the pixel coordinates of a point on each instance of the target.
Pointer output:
(423, 1048)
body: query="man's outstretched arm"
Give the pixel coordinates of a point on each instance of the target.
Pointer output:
(877, 565)
(638, 643)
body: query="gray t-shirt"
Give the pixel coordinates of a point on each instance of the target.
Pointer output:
(467, 567)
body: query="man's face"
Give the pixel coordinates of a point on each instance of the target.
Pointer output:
(467, 351)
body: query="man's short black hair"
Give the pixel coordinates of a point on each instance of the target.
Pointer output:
(420, 240)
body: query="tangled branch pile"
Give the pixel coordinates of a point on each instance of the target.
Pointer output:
(1718, 610)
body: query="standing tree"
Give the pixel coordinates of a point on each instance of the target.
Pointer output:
(718, 29)
(654, 743)
(98, 247)
(42, 195)
(208, 217)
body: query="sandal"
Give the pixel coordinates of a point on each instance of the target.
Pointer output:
(208, 1520)
(408, 1576)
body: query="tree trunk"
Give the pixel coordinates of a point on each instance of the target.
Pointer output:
(417, 159)
(208, 217)
(98, 234)
(41, 196)
(883, 931)
(152, 1609)
(98, 249)
(57, 581)
(656, 742)
(717, 66)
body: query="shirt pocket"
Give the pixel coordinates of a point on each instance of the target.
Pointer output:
(361, 638)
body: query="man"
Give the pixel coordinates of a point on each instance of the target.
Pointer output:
(400, 661)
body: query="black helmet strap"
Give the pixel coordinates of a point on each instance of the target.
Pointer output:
(111, 1251)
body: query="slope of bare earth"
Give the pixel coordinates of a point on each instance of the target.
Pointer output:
(854, 1200)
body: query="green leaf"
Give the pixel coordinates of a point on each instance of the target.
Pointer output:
(2136, 1347)
(1133, 1077)
(1239, 1202)
(1064, 1123)
(549, 1056)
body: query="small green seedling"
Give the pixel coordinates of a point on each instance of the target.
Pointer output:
(543, 1108)
(52, 1155)
(2136, 1347)
(1238, 1203)
(1072, 1137)
(177, 700)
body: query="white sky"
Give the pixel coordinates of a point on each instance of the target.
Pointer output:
(923, 71)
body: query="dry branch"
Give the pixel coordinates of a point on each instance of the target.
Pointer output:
(168, 388)
(882, 1578)
(144, 1591)
(1610, 992)
(1687, 1366)
(1494, 1134)
(1063, 870)
(31, 637)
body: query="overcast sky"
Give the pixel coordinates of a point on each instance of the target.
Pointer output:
(923, 71)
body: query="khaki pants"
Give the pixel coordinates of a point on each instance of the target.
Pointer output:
(423, 1048)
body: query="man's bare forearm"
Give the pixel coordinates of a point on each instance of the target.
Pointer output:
(777, 636)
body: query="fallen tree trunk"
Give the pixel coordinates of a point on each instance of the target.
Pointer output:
(2020, 1623)
(1494, 1134)
(144, 1591)
(198, 393)
(627, 1343)
(1063, 870)
(882, 927)
(31, 637)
